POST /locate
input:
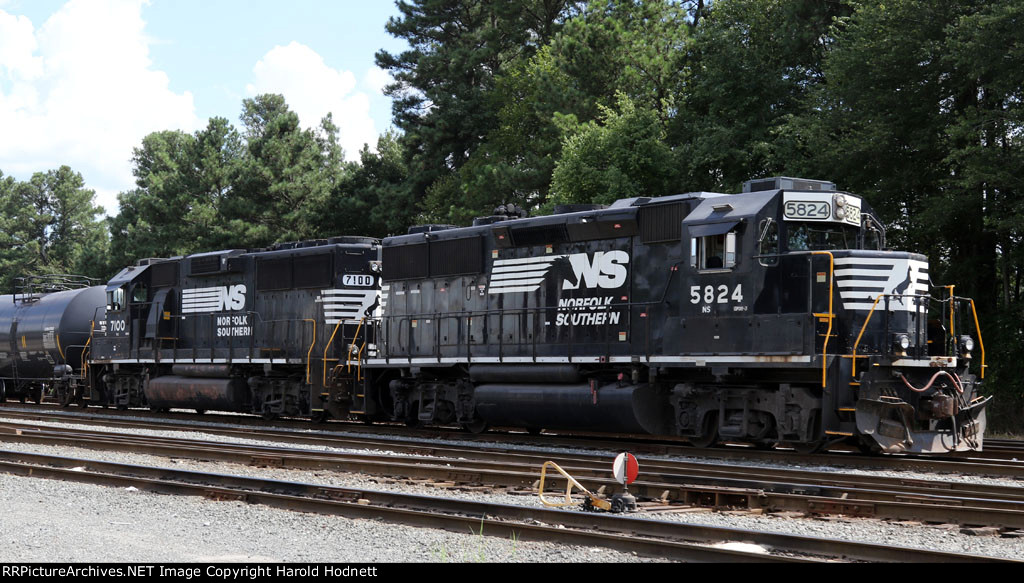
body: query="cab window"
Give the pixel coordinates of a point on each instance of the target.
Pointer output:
(768, 246)
(821, 237)
(713, 251)
(115, 300)
(139, 294)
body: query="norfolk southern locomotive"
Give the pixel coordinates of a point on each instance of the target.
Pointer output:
(262, 331)
(772, 316)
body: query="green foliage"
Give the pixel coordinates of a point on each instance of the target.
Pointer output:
(625, 155)
(751, 64)
(445, 84)
(631, 48)
(50, 224)
(373, 198)
(221, 188)
(181, 179)
(283, 184)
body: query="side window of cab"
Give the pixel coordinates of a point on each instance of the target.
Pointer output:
(768, 242)
(713, 252)
(115, 299)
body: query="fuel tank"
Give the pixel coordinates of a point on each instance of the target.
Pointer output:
(40, 332)
(610, 408)
(212, 394)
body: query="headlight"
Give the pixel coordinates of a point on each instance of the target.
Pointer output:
(903, 341)
(967, 343)
(840, 213)
(840, 200)
(375, 266)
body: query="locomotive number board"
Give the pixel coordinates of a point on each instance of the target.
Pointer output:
(815, 206)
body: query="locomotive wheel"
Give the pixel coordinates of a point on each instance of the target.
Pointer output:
(868, 446)
(319, 417)
(534, 430)
(809, 447)
(3, 392)
(478, 426)
(412, 419)
(200, 411)
(709, 435)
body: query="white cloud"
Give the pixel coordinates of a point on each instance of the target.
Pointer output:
(313, 89)
(377, 79)
(81, 91)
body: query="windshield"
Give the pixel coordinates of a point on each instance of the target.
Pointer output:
(821, 236)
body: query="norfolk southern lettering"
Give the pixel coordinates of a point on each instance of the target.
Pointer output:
(587, 312)
(233, 326)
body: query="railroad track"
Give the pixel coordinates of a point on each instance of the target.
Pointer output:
(1004, 463)
(676, 541)
(670, 486)
(1001, 458)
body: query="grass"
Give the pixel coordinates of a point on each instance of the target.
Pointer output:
(442, 554)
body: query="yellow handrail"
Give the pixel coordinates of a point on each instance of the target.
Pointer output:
(831, 314)
(862, 328)
(328, 347)
(348, 357)
(981, 342)
(85, 349)
(359, 362)
(310, 351)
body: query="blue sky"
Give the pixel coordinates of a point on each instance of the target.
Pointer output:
(82, 81)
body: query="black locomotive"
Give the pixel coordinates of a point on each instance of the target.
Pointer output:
(772, 316)
(776, 315)
(253, 331)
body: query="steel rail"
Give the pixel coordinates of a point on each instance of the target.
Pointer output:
(969, 463)
(649, 537)
(689, 482)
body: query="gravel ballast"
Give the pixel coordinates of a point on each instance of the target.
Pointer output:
(54, 521)
(50, 521)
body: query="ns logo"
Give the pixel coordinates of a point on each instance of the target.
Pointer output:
(213, 299)
(606, 270)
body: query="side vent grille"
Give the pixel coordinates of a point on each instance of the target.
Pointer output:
(434, 259)
(662, 223)
(164, 274)
(202, 265)
(273, 274)
(313, 271)
(456, 256)
(406, 262)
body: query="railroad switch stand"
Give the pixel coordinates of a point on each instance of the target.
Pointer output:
(619, 502)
